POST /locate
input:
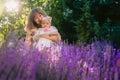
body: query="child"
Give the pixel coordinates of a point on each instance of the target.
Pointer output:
(46, 28)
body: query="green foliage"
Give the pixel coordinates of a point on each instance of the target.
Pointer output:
(14, 21)
(105, 29)
(110, 32)
(1, 39)
(115, 35)
(86, 27)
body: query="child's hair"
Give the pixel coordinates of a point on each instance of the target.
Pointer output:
(47, 18)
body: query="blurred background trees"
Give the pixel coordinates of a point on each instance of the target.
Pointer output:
(76, 20)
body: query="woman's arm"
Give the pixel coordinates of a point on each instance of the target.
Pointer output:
(53, 37)
(28, 40)
(59, 37)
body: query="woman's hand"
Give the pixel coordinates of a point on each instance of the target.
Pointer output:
(28, 40)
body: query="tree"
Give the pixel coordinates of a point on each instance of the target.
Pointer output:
(86, 27)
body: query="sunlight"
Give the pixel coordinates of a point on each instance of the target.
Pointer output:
(12, 5)
(0, 25)
(1, 7)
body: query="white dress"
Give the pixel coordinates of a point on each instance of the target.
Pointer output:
(43, 42)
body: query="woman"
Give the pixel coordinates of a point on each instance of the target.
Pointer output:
(33, 22)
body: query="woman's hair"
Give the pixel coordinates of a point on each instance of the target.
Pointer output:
(30, 22)
(38, 10)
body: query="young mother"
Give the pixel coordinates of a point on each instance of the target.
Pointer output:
(33, 22)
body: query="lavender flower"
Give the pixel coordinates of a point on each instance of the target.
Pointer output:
(61, 62)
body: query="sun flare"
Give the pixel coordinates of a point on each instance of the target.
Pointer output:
(12, 5)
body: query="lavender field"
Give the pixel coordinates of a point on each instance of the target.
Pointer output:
(96, 61)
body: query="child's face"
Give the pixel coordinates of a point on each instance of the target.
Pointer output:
(45, 23)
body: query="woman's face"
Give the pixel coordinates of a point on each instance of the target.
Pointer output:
(38, 18)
